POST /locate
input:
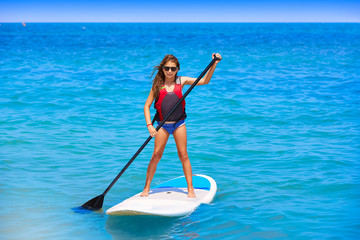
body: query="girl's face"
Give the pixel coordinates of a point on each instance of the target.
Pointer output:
(170, 69)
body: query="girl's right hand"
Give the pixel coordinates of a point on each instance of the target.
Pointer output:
(152, 130)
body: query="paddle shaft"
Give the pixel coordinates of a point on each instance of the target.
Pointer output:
(159, 126)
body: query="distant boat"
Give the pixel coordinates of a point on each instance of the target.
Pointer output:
(24, 24)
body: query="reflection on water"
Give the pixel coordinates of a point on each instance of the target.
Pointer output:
(148, 227)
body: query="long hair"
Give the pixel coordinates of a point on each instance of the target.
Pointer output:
(159, 79)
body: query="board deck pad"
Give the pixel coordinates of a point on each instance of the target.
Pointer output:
(168, 198)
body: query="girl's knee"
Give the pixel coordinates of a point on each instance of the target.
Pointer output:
(183, 156)
(156, 157)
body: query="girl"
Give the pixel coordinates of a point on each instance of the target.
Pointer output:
(166, 91)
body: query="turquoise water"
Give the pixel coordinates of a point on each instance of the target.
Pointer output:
(277, 128)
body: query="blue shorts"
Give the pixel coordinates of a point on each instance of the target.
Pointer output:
(171, 127)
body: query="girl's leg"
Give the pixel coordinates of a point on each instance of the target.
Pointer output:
(160, 142)
(181, 144)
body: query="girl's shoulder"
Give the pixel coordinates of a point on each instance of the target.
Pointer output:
(178, 80)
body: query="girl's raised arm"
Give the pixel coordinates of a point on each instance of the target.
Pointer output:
(206, 78)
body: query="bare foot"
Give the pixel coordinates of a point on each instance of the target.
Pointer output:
(191, 193)
(145, 193)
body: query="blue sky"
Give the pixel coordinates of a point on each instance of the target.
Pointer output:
(179, 11)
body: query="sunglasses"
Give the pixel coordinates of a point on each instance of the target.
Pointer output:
(168, 68)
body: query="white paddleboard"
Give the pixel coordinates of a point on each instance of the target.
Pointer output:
(169, 198)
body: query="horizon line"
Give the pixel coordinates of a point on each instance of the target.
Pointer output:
(185, 22)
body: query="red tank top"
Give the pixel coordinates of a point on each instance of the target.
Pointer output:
(166, 102)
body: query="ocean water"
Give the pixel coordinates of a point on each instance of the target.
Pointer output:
(278, 128)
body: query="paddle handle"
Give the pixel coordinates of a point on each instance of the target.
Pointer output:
(160, 125)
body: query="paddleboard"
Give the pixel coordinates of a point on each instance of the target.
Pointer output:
(169, 198)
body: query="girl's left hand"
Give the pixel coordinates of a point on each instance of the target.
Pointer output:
(218, 56)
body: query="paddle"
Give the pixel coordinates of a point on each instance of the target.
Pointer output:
(97, 202)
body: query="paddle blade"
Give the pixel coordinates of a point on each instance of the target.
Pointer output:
(94, 204)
